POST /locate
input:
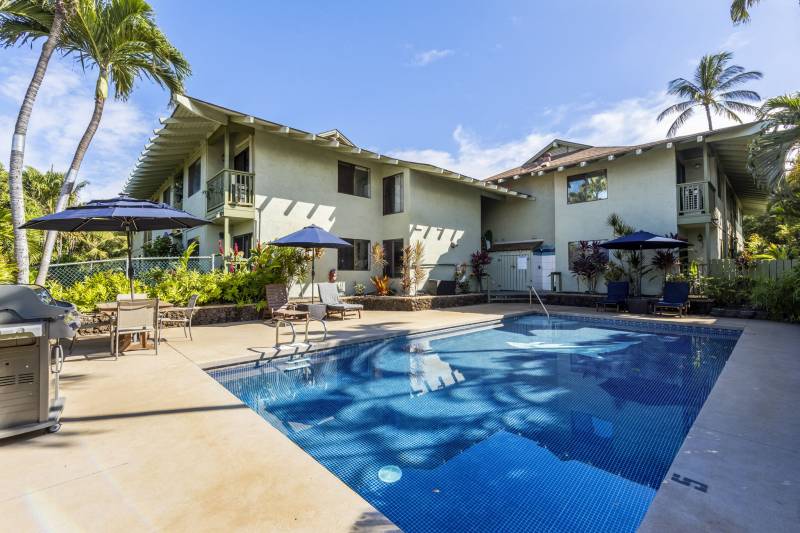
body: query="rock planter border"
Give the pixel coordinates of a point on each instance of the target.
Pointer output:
(415, 303)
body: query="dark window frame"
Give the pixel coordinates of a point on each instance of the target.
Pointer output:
(393, 253)
(346, 179)
(194, 188)
(166, 196)
(393, 194)
(585, 176)
(346, 257)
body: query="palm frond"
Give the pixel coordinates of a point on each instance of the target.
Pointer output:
(740, 107)
(680, 107)
(740, 78)
(740, 10)
(680, 121)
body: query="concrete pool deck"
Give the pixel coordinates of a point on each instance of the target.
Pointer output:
(152, 442)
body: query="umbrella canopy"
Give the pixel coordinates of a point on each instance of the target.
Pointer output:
(123, 213)
(117, 214)
(312, 237)
(643, 240)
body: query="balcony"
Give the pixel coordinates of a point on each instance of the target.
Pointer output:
(231, 193)
(695, 202)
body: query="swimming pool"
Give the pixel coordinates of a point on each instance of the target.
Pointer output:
(516, 426)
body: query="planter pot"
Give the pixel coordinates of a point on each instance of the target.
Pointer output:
(640, 306)
(717, 311)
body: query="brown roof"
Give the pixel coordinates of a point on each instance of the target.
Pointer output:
(598, 152)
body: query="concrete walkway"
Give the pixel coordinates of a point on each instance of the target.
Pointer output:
(153, 443)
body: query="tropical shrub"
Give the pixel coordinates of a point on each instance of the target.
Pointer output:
(163, 246)
(729, 292)
(478, 262)
(98, 287)
(589, 263)
(779, 298)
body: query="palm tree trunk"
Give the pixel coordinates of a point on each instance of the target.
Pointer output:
(71, 177)
(15, 188)
(708, 117)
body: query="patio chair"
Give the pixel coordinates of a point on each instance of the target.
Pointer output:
(282, 312)
(180, 316)
(329, 295)
(617, 295)
(127, 296)
(675, 298)
(135, 317)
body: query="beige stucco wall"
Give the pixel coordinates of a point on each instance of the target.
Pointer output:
(515, 219)
(641, 189)
(297, 185)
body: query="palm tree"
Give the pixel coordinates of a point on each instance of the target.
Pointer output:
(121, 40)
(15, 16)
(780, 135)
(740, 10)
(713, 89)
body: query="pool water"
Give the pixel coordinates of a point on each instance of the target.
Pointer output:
(524, 426)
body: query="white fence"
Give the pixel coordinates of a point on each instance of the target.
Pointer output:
(68, 274)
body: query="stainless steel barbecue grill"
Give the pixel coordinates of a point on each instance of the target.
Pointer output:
(31, 324)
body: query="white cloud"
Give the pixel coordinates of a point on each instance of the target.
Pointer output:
(61, 113)
(735, 41)
(629, 121)
(429, 56)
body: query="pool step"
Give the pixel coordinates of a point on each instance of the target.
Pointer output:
(297, 364)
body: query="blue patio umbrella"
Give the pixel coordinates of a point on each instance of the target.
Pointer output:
(123, 214)
(643, 240)
(311, 237)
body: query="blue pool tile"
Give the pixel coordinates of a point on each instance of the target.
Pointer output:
(568, 425)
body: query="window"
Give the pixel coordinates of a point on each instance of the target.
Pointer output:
(194, 178)
(587, 187)
(355, 258)
(165, 196)
(393, 194)
(243, 243)
(353, 179)
(393, 250)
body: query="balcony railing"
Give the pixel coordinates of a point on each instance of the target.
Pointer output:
(694, 199)
(232, 188)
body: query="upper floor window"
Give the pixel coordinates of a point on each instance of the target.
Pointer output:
(587, 187)
(393, 194)
(354, 258)
(353, 179)
(194, 178)
(166, 196)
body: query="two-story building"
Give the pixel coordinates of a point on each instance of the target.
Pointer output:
(697, 186)
(257, 180)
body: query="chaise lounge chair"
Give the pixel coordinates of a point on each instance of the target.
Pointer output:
(329, 295)
(675, 298)
(617, 295)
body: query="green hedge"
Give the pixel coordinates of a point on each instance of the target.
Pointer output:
(242, 285)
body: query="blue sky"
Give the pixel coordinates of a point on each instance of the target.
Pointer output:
(473, 86)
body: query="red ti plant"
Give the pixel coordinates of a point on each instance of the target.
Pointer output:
(479, 261)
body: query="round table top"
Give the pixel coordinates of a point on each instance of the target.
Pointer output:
(111, 307)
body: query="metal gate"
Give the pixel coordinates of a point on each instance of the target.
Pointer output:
(511, 271)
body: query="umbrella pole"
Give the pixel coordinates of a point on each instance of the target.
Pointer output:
(312, 274)
(130, 260)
